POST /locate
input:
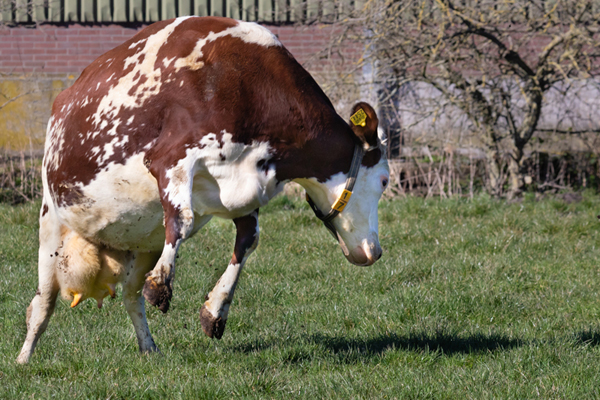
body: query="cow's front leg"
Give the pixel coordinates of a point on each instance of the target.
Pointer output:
(213, 314)
(175, 186)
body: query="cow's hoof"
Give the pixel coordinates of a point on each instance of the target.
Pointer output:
(213, 327)
(150, 350)
(159, 295)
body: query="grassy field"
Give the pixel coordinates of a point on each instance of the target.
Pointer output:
(472, 299)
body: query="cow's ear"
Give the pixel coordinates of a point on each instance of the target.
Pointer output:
(363, 122)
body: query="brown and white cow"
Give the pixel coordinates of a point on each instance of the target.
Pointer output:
(191, 118)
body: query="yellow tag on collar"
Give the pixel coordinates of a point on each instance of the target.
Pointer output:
(341, 202)
(359, 118)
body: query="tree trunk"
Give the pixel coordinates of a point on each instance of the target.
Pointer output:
(494, 183)
(516, 181)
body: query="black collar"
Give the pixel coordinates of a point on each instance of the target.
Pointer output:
(342, 201)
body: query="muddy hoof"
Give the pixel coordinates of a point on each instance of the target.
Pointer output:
(159, 295)
(213, 327)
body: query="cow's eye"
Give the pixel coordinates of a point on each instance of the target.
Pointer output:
(384, 183)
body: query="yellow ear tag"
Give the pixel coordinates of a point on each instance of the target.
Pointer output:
(341, 202)
(359, 118)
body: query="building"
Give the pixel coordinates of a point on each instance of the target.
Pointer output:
(44, 45)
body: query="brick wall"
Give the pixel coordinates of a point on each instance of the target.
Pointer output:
(50, 49)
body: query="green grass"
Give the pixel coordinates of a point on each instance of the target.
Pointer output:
(472, 299)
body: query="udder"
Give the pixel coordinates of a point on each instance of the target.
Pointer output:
(87, 270)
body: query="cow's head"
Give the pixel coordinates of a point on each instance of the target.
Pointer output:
(356, 225)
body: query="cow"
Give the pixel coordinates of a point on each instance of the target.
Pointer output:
(193, 117)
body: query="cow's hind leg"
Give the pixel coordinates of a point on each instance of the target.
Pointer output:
(213, 314)
(134, 301)
(42, 306)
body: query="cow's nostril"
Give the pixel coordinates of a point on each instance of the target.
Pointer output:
(358, 256)
(379, 255)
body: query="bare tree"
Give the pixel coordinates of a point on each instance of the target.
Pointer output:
(494, 62)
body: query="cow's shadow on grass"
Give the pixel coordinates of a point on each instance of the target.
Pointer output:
(444, 343)
(352, 349)
(589, 337)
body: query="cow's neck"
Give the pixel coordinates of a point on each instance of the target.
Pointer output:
(320, 154)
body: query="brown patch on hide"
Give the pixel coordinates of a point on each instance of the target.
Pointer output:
(246, 236)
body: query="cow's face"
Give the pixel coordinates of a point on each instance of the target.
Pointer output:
(357, 225)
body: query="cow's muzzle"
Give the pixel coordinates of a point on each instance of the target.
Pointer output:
(365, 254)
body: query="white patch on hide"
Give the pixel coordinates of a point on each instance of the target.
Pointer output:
(55, 141)
(134, 44)
(109, 148)
(226, 179)
(249, 32)
(219, 299)
(168, 61)
(120, 207)
(165, 263)
(118, 95)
